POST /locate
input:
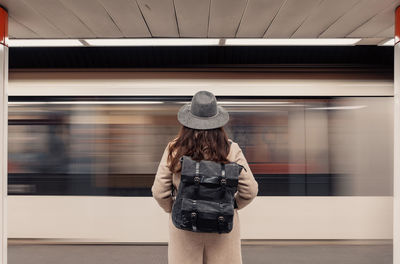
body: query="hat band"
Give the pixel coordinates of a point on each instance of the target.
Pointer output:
(203, 117)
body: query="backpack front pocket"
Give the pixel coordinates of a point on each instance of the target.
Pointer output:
(206, 216)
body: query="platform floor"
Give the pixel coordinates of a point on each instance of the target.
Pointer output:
(157, 254)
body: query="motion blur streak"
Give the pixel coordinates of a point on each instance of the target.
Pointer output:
(324, 147)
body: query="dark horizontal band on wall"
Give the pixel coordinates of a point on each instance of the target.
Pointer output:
(107, 98)
(378, 57)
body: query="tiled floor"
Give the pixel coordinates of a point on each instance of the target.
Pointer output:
(156, 254)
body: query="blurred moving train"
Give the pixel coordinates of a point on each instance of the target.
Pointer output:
(84, 148)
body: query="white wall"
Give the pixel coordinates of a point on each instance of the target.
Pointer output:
(139, 219)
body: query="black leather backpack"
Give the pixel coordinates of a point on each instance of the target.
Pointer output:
(205, 199)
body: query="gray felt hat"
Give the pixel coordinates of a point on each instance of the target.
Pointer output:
(203, 112)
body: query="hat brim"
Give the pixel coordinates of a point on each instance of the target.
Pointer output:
(186, 118)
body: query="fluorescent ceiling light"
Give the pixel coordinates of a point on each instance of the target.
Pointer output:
(43, 42)
(154, 42)
(389, 42)
(291, 42)
(184, 42)
(240, 103)
(338, 107)
(89, 102)
(251, 103)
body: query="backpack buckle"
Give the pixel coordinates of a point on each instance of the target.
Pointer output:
(223, 177)
(196, 179)
(221, 220)
(193, 216)
(223, 181)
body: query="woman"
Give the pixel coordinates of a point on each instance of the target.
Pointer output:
(202, 137)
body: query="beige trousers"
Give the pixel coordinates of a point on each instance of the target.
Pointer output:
(186, 247)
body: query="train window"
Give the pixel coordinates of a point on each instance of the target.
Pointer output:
(332, 146)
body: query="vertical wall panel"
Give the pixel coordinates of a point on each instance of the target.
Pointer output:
(3, 132)
(396, 179)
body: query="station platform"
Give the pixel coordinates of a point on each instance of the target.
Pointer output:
(254, 252)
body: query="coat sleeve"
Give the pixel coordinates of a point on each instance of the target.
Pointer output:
(162, 186)
(247, 187)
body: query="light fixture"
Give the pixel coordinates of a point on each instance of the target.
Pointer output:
(291, 42)
(44, 42)
(389, 42)
(251, 103)
(186, 42)
(154, 42)
(89, 102)
(338, 107)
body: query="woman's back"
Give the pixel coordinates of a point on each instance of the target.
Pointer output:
(200, 138)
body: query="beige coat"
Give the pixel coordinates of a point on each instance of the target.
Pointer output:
(186, 247)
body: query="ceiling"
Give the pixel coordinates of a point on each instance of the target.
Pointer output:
(372, 20)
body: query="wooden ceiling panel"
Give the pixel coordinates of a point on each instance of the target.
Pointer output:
(94, 16)
(355, 17)
(192, 17)
(201, 18)
(126, 14)
(19, 31)
(290, 16)
(376, 24)
(62, 18)
(225, 16)
(387, 33)
(160, 17)
(322, 17)
(257, 17)
(29, 18)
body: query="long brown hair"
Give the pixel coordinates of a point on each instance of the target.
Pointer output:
(209, 144)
